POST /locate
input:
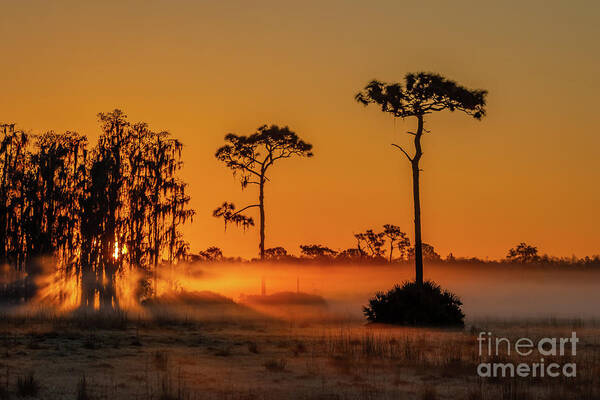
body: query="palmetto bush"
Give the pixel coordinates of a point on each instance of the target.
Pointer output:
(409, 304)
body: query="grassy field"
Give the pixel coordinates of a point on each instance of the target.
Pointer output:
(248, 357)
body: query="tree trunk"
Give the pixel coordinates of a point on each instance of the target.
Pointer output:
(391, 249)
(88, 288)
(417, 203)
(261, 206)
(109, 300)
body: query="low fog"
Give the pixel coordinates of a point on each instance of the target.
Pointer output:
(497, 292)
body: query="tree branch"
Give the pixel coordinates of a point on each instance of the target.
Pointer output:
(405, 153)
(236, 164)
(245, 208)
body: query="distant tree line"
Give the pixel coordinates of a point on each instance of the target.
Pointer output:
(372, 248)
(97, 212)
(390, 244)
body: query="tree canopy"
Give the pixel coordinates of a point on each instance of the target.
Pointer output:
(250, 158)
(423, 93)
(252, 155)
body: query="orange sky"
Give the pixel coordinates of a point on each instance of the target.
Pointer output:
(527, 172)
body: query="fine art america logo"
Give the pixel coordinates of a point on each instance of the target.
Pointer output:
(532, 353)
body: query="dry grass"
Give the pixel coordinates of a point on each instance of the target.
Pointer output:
(27, 386)
(82, 390)
(271, 360)
(275, 365)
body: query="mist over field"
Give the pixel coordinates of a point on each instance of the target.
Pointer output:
(503, 291)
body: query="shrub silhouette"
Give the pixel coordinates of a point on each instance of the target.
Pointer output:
(523, 253)
(316, 251)
(410, 304)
